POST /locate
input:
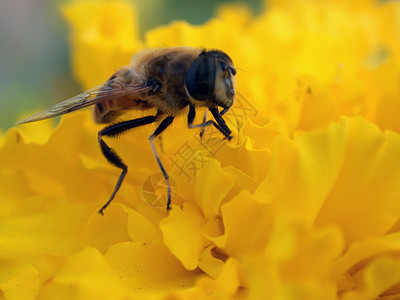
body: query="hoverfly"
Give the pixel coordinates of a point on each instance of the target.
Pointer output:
(168, 79)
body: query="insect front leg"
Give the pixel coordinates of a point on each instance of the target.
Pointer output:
(192, 114)
(224, 111)
(204, 120)
(112, 157)
(218, 117)
(163, 125)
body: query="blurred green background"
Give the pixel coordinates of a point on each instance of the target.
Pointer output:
(34, 49)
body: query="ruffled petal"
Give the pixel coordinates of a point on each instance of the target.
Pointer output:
(86, 275)
(149, 268)
(182, 235)
(381, 278)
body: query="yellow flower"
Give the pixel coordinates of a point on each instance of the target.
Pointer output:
(303, 203)
(103, 32)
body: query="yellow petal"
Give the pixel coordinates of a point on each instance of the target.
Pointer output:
(225, 285)
(210, 264)
(182, 234)
(386, 96)
(53, 168)
(302, 173)
(300, 273)
(149, 267)
(24, 281)
(319, 105)
(212, 185)
(229, 277)
(363, 251)
(242, 181)
(333, 179)
(295, 264)
(364, 198)
(140, 228)
(262, 137)
(13, 190)
(87, 275)
(37, 133)
(19, 282)
(381, 278)
(101, 232)
(262, 278)
(314, 255)
(53, 230)
(48, 265)
(104, 37)
(247, 225)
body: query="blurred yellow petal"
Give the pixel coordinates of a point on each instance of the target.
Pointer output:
(102, 31)
(386, 96)
(13, 190)
(318, 104)
(363, 251)
(38, 133)
(379, 279)
(262, 278)
(28, 233)
(298, 273)
(42, 163)
(314, 256)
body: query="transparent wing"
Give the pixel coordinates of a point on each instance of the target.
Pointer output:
(110, 90)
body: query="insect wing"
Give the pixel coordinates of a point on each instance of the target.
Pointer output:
(110, 90)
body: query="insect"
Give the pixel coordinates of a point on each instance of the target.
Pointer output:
(168, 80)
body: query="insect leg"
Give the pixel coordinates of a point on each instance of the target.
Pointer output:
(192, 115)
(112, 157)
(224, 111)
(163, 125)
(204, 120)
(219, 119)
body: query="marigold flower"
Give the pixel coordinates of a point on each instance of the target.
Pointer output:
(303, 203)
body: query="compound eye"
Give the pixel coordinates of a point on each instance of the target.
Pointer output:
(200, 78)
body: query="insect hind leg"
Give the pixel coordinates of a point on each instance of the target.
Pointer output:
(112, 157)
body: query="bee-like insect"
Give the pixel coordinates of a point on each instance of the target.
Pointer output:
(168, 79)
